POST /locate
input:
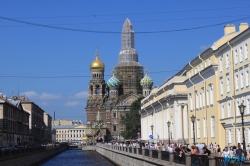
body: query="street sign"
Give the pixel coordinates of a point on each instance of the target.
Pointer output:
(151, 136)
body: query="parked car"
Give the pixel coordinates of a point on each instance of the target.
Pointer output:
(5, 149)
(12, 148)
(20, 147)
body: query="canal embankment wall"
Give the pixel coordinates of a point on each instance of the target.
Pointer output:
(28, 157)
(125, 158)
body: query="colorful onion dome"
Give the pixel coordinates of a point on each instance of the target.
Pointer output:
(97, 64)
(147, 82)
(113, 82)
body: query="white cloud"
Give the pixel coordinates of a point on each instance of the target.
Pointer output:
(47, 96)
(72, 103)
(80, 95)
(44, 103)
(29, 94)
(43, 96)
(203, 48)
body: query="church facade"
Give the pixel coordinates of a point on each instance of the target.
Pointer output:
(112, 99)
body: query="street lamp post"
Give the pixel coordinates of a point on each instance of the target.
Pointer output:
(152, 127)
(168, 132)
(193, 120)
(242, 109)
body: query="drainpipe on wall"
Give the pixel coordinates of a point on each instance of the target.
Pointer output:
(164, 115)
(205, 90)
(152, 112)
(233, 94)
(193, 91)
(161, 110)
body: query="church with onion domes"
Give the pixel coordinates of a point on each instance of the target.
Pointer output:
(108, 101)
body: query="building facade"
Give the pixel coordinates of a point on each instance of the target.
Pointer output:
(112, 100)
(47, 130)
(70, 133)
(167, 102)
(207, 80)
(14, 123)
(233, 76)
(65, 122)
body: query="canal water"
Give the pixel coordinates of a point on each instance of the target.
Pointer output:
(77, 157)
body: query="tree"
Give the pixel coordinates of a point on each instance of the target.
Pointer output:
(132, 120)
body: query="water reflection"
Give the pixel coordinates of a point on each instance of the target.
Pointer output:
(77, 157)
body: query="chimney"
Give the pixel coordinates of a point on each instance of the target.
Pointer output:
(243, 26)
(229, 28)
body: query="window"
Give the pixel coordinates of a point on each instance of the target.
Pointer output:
(247, 76)
(201, 100)
(191, 101)
(203, 97)
(241, 79)
(235, 57)
(238, 136)
(212, 127)
(237, 108)
(248, 105)
(114, 115)
(241, 54)
(228, 109)
(248, 135)
(227, 61)
(229, 136)
(221, 63)
(246, 51)
(114, 128)
(221, 86)
(222, 111)
(204, 128)
(197, 99)
(191, 129)
(198, 128)
(228, 82)
(207, 98)
(236, 80)
(211, 94)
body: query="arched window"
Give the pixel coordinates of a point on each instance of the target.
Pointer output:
(91, 90)
(97, 89)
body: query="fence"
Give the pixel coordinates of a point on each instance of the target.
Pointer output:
(17, 152)
(170, 157)
(220, 161)
(199, 160)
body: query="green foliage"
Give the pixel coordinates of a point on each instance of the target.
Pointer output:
(132, 120)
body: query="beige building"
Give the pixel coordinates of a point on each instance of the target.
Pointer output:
(14, 123)
(65, 122)
(47, 130)
(207, 78)
(70, 133)
(233, 85)
(167, 102)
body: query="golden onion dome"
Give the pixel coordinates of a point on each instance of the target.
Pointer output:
(97, 64)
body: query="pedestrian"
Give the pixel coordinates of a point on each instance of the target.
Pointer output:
(226, 155)
(218, 149)
(239, 152)
(215, 148)
(247, 149)
(206, 151)
(211, 146)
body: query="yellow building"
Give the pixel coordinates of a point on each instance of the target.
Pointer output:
(203, 82)
(233, 76)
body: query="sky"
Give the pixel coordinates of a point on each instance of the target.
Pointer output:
(46, 47)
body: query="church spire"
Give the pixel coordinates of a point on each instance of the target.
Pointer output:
(127, 35)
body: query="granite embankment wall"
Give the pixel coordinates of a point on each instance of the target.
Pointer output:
(126, 158)
(26, 157)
